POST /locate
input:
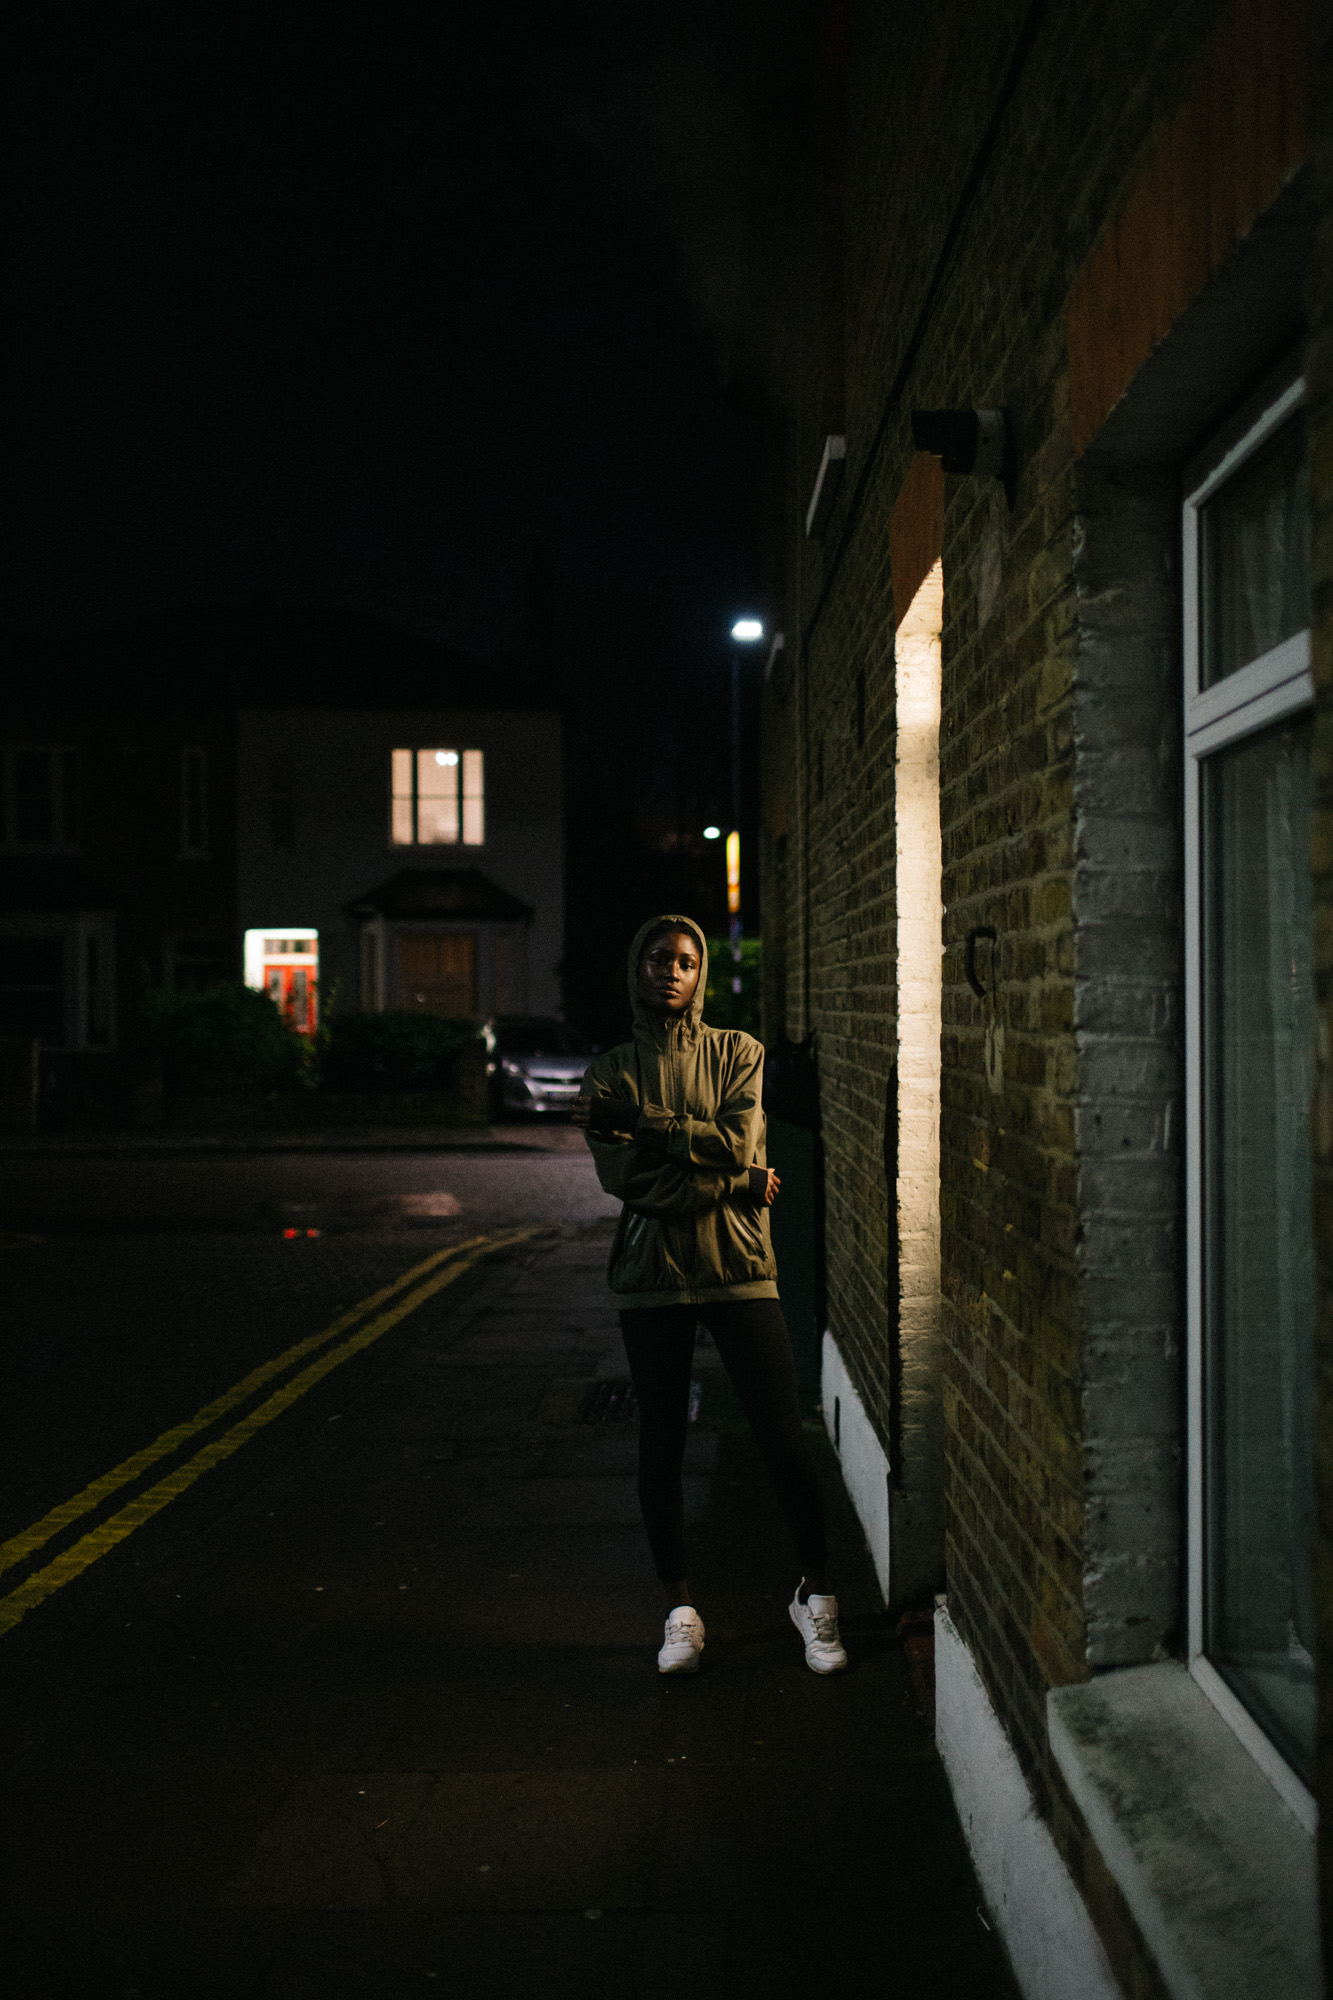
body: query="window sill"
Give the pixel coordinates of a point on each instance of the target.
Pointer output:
(1218, 1873)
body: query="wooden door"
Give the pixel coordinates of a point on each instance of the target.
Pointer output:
(437, 972)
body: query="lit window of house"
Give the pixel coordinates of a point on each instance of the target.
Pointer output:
(39, 797)
(1248, 727)
(437, 798)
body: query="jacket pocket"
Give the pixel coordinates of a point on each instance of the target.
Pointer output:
(736, 1246)
(644, 1257)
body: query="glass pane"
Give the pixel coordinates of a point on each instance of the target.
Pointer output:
(474, 811)
(401, 830)
(32, 988)
(1254, 557)
(1258, 1254)
(437, 797)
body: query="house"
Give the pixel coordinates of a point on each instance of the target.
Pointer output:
(117, 874)
(404, 858)
(1048, 874)
(160, 829)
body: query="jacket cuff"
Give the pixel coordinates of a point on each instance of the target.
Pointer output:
(655, 1127)
(612, 1114)
(758, 1179)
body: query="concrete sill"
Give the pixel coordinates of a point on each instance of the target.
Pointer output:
(1219, 1874)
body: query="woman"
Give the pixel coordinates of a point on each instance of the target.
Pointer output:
(676, 1127)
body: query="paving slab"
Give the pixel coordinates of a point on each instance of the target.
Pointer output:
(389, 1722)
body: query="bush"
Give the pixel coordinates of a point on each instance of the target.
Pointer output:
(221, 1038)
(394, 1051)
(722, 1008)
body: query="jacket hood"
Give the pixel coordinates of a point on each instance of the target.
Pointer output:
(646, 1022)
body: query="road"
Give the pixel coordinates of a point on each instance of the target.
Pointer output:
(328, 1628)
(140, 1285)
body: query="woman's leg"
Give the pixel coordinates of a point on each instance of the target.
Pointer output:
(751, 1336)
(659, 1345)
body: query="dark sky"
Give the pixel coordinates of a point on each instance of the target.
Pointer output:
(357, 307)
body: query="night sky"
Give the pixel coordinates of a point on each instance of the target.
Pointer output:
(361, 307)
(438, 316)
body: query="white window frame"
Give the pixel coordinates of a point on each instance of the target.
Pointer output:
(1277, 685)
(462, 757)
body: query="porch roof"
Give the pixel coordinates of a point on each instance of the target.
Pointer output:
(441, 895)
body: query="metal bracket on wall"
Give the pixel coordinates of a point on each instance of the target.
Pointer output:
(974, 936)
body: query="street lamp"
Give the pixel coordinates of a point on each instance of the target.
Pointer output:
(745, 632)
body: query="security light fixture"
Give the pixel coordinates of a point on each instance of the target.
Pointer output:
(712, 833)
(747, 630)
(827, 481)
(970, 441)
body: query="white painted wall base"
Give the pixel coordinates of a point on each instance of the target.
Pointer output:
(1053, 1947)
(865, 1469)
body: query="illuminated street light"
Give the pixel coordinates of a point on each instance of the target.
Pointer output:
(712, 833)
(744, 632)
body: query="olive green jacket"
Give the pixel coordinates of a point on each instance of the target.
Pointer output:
(693, 1228)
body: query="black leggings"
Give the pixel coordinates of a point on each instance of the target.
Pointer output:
(751, 1336)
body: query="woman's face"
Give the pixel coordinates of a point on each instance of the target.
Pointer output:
(669, 973)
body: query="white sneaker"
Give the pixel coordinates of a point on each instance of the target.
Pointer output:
(817, 1622)
(683, 1641)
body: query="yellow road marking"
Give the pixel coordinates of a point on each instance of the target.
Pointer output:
(99, 1541)
(22, 1545)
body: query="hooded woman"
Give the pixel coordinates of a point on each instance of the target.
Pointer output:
(675, 1122)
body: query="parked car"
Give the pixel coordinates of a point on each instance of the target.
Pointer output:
(536, 1065)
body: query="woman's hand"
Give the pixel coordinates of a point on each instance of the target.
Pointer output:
(771, 1191)
(581, 1111)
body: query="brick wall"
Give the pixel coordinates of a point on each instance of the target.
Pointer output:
(1319, 382)
(994, 195)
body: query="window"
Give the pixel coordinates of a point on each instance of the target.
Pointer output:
(56, 980)
(1250, 1021)
(194, 803)
(437, 798)
(39, 797)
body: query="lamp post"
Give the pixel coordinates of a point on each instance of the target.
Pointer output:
(745, 632)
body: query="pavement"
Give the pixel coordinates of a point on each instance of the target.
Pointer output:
(385, 1719)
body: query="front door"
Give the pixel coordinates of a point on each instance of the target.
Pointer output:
(437, 972)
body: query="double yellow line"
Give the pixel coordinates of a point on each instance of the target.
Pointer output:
(425, 1279)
